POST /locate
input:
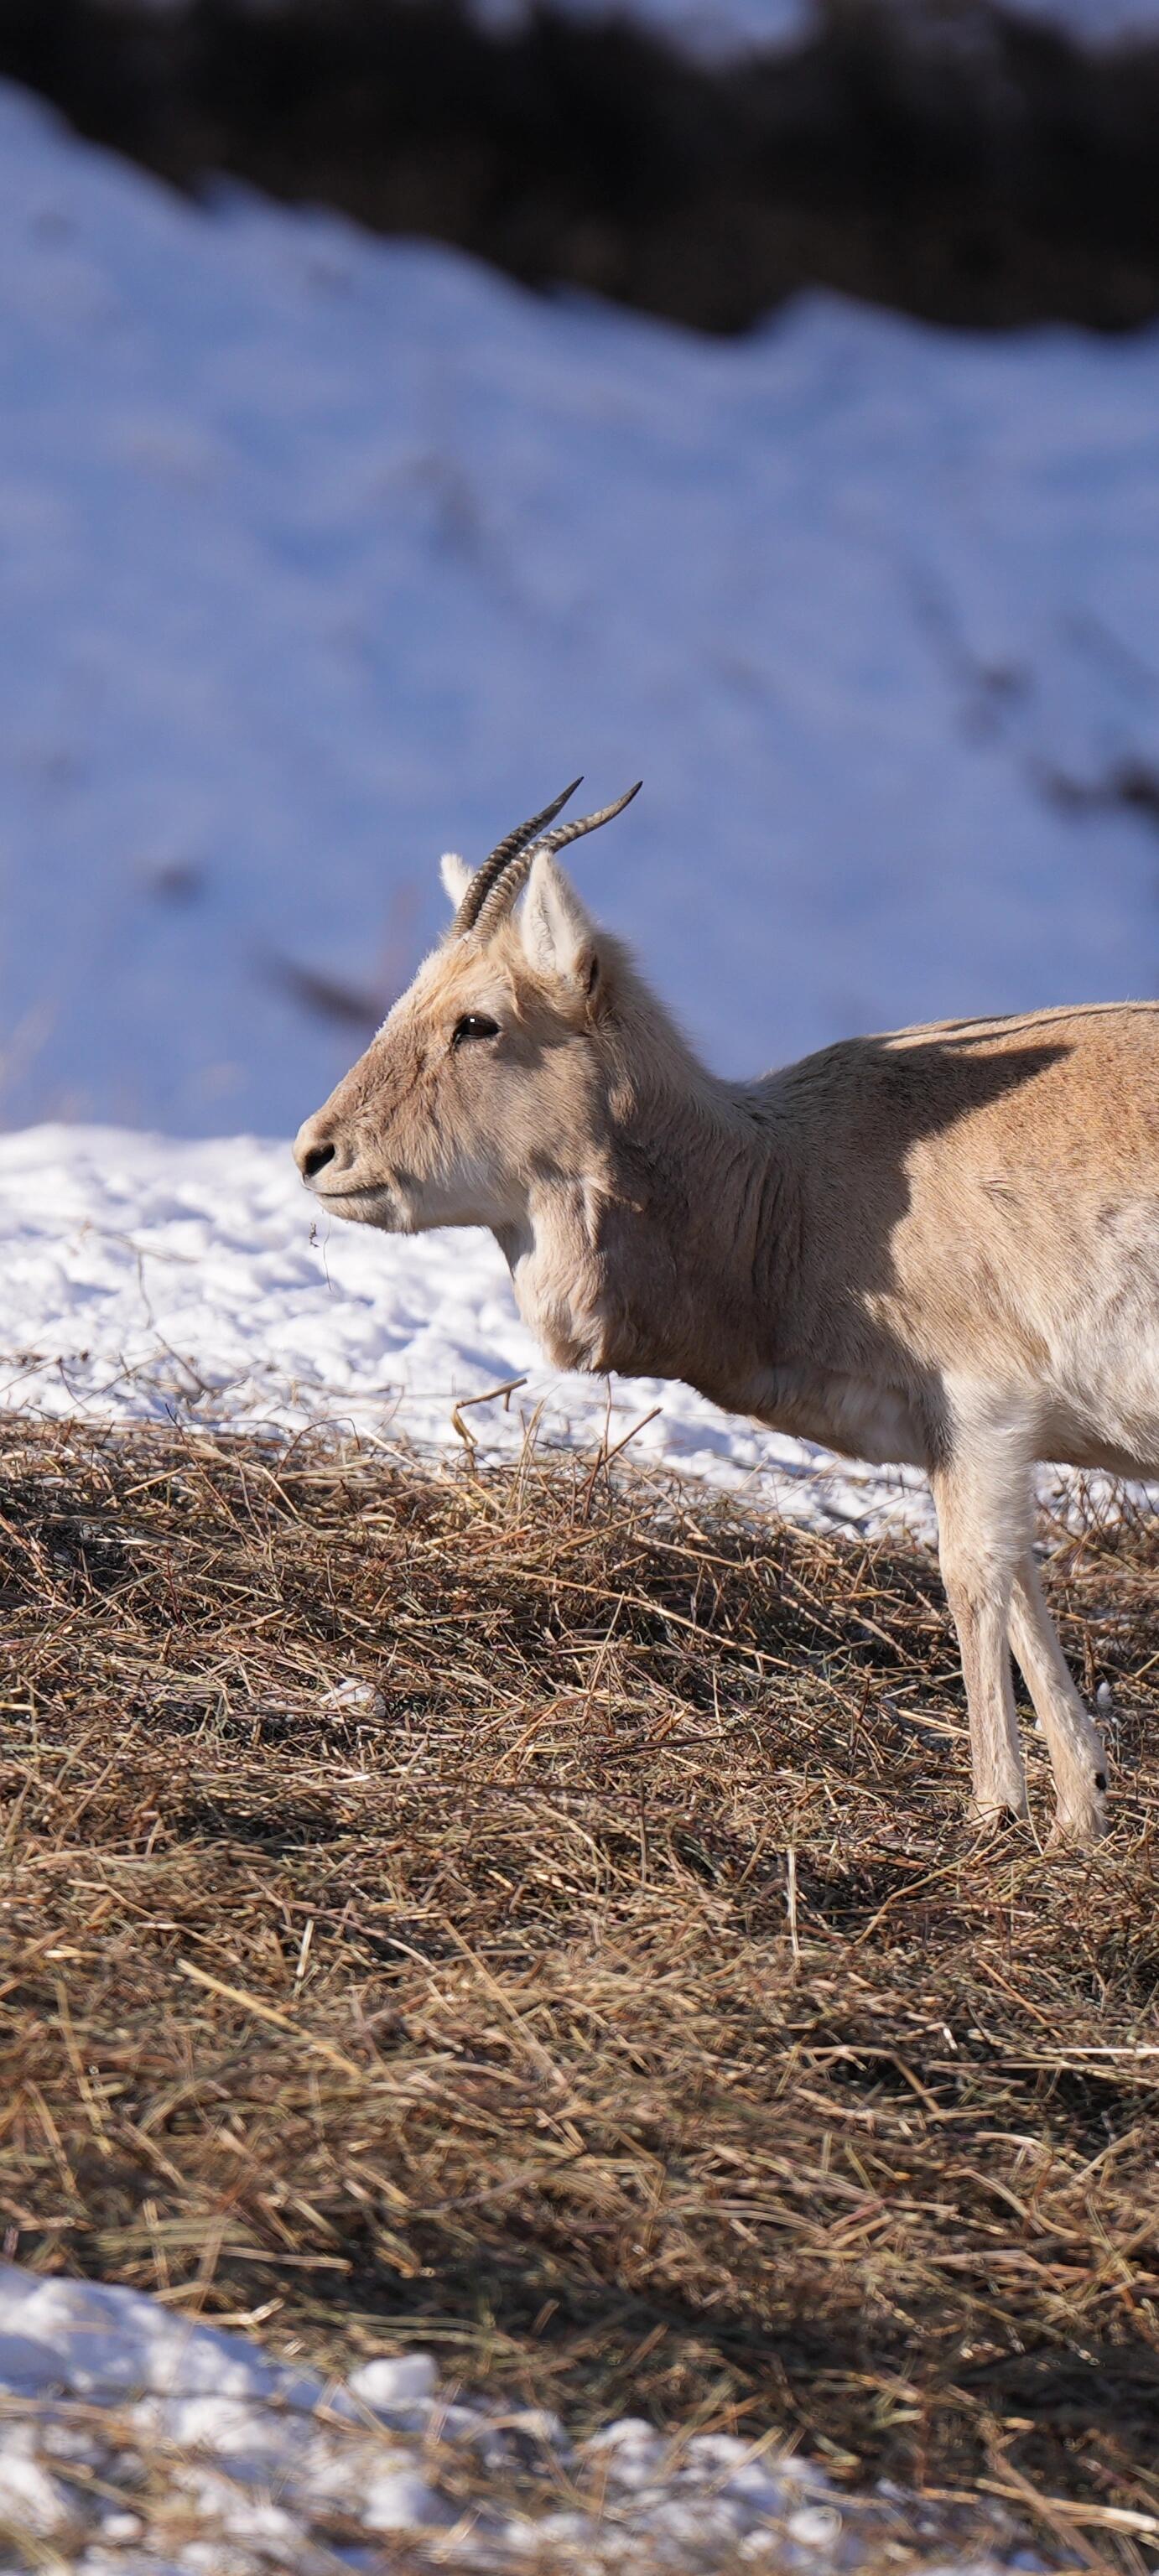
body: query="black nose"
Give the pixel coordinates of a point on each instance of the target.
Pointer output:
(316, 1160)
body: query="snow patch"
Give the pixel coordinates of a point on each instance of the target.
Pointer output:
(146, 1278)
(321, 551)
(139, 2440)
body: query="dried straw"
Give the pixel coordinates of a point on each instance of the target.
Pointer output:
(616, 2003)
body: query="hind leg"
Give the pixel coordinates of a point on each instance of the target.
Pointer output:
(983, 1498)
(1074, 1744)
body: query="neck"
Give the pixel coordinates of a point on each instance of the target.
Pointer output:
(663, 1258)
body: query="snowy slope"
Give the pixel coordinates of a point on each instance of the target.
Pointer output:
(722, 30)
(148, 1278)
(1094, 23)
(717, 30)
(712, 31)
(151, 1279)
(321, 553)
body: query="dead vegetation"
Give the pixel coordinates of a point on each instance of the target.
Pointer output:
(607, 1996)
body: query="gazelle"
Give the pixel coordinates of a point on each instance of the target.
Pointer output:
(939, 1247)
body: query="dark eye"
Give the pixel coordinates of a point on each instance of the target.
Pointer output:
(476, 1025)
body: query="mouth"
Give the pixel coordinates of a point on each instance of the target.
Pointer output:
(361, 1201)
(363, 1190)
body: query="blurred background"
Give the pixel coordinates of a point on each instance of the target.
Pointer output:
(404, 405)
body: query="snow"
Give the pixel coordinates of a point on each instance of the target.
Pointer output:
(323, 553)
(712, 31)
(133, 2438)
(150, 1278)
(725, 30)
(147, 1278)
(320, 553)
(1095, 23)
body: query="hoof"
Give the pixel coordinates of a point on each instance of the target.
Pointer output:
(996, 1816)
(1079, 1825)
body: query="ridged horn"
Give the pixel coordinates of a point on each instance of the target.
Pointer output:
(487, 877)
(502, 895)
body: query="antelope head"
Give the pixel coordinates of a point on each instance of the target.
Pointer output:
(487, 1076)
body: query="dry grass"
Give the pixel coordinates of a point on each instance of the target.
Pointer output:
(622, 2011)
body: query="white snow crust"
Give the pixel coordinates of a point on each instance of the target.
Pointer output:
(711, 31)
(149, 1278)
(322, 553)
(725, 30)
(319, 553)
(1095, 23)
(145, 1277)
(136, 2442)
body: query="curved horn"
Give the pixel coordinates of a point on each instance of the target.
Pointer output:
(501, 895)
(486, 877)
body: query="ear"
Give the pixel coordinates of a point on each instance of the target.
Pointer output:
(559, 935)
(456, 876)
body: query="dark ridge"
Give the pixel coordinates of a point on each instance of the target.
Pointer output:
(962, 166)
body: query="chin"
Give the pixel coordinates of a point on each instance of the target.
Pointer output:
(377, 1207)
